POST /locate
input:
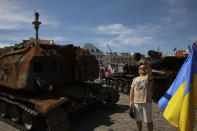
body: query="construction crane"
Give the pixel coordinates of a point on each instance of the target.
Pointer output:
(109, 49)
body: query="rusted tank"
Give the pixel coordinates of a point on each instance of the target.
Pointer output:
(37, 80)
(122, 81)
(164, 70)
(42, 82)
(28, 66)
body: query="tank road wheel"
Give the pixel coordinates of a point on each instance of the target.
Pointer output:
(111, 82)
(30, 121)
(126, 88)
(4, 109)
(113, 96)
(120, 87)
(117, 84)
(57, 120)
(107, 81)
(114, 85)
(15, 113)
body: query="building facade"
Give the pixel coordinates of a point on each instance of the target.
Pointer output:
(113, 58)
(94, 51)
(117, 58)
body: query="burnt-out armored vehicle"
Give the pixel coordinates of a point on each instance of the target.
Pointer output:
(164, 70)
(122, 81)
(41, 82)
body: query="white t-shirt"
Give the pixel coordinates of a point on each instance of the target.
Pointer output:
(142, 89)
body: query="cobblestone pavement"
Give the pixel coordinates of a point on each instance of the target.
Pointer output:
(6, 127)
(117, 119)
(113, 119)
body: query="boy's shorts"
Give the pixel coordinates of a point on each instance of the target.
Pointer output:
(143, 111)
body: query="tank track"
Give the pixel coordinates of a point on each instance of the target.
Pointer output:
(120, 84)
(55, 120)
(21, 106)
(114, 96)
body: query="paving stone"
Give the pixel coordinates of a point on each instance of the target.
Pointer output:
(6, 127)
(118, 119)
(114, 119)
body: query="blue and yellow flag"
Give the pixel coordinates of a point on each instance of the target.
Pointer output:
(180, 100)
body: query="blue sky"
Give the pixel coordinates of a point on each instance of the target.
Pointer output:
(126, 25)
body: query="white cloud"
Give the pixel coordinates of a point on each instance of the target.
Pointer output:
(18, 39)
(166, 20)
(193, 38)
(7, 9)
(113, 29)
(177, 10)
(103, 42)
(126, 35)
(13, 38)
(172, 2)
(135, 40)
(55, 38)
(14, 16)
(4, 45)
(47, 21)
(9, 26)
(176, 14)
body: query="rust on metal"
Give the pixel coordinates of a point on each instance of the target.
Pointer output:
(42, 104)
(47, 67)
(22, 63)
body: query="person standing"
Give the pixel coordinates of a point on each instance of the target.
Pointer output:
(141, 96)
(102, 71)
(109, 70)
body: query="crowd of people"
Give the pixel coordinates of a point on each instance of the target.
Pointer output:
(106, 71)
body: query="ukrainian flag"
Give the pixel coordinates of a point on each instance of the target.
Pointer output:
(180, 100)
